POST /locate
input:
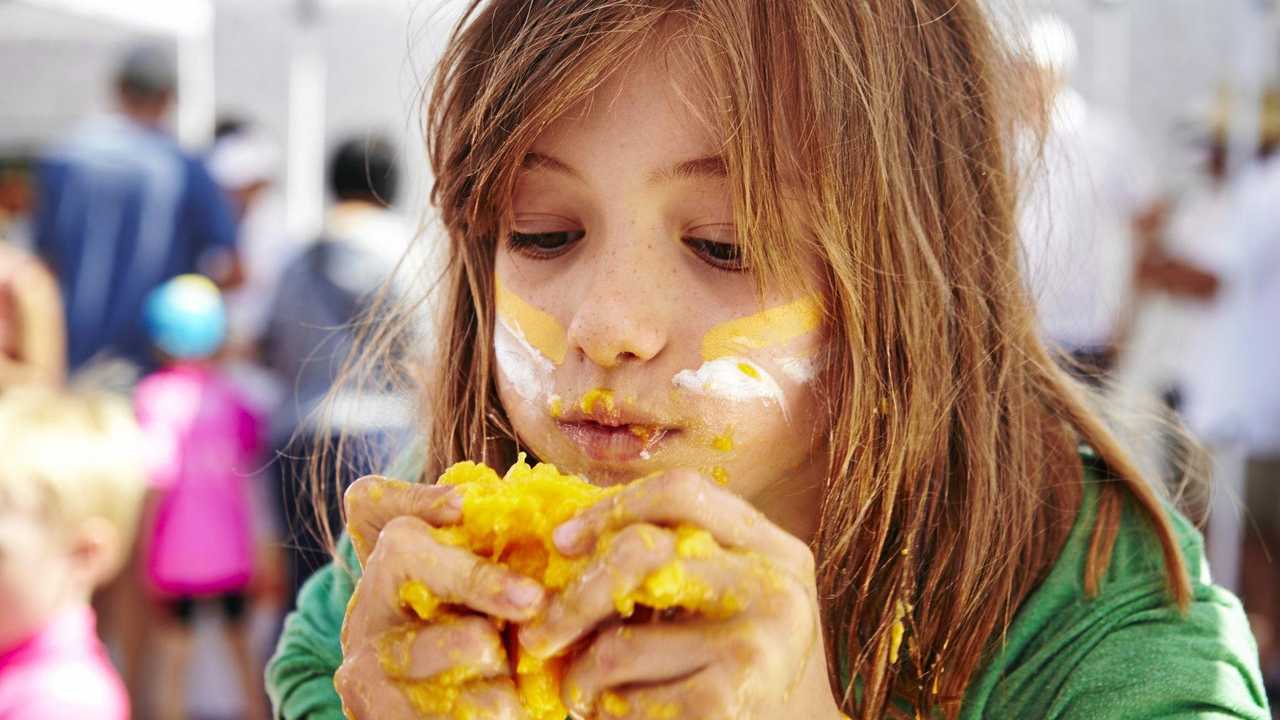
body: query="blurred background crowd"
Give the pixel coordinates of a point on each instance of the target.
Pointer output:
(200, 198)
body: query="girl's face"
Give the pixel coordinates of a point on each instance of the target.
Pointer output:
(631, 339)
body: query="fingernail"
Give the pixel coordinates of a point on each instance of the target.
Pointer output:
(566, 536)
(455, 500)
(524, 593)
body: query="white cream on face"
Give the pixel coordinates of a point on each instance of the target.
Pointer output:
(528, 344)
(527, 370)
(799, 370)
(731, 378)
(727, 375)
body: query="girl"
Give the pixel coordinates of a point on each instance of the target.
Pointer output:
(761, 254)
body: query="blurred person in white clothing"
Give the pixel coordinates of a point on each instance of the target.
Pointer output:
(1087, 189)
(1233, 395)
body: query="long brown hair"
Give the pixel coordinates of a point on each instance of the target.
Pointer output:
(877, 136)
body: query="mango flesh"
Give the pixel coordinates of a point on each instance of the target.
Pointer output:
(510, 520)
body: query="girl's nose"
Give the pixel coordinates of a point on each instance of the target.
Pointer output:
(621, 316)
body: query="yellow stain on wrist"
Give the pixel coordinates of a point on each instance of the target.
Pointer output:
(765, 329)
(540, 329)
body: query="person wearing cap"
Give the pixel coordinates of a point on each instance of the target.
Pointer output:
(198, 544)
(121, 208)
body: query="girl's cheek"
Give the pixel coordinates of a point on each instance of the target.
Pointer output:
(756, 359)
(528, 345)
(755, 390)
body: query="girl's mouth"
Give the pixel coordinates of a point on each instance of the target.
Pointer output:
(610, 441)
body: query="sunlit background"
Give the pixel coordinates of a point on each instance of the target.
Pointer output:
(1161, 94)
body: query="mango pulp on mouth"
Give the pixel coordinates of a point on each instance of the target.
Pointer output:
(510, 521)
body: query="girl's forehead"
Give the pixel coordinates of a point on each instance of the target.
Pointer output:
(647, 113)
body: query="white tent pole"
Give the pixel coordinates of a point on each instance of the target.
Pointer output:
(304, 182)
(196, 99)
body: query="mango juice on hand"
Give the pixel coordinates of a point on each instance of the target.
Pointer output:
(510, 520)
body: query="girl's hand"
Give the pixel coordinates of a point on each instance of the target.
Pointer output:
(765, 660)
(389, 523)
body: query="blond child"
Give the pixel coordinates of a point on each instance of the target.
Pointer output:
(71, 485)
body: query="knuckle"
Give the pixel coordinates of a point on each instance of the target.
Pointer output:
(358, 495)
(639, 541)
(344, 679)
(402, 525)
(486, 578)
(678, 485)
(401, 528)
(609, 653)
(476, 639)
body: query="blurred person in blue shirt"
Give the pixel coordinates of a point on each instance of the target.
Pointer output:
(121, 209)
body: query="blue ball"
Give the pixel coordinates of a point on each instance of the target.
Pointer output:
(186, 318)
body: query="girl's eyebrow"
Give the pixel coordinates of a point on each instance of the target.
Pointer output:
(538, 161)
(708, 166)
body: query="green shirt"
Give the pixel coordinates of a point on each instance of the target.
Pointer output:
(1124, 655)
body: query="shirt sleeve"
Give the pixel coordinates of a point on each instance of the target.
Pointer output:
(300, 674)
(48, 184)
(1160, 664)
(209, 212)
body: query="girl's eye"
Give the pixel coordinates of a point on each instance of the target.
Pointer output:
(722, 255)
(544, 245)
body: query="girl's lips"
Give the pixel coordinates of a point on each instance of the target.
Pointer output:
(613, 443)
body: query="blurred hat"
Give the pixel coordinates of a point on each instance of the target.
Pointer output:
(148, 70)
(186, 318)
(241, 159)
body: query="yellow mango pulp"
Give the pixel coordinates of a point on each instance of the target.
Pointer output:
(510, 520)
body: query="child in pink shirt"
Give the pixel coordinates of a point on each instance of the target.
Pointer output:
(70, 487)
(204, 440)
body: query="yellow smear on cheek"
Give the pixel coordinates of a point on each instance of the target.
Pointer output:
(555, 407)
(542, 331)
(766, 329)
